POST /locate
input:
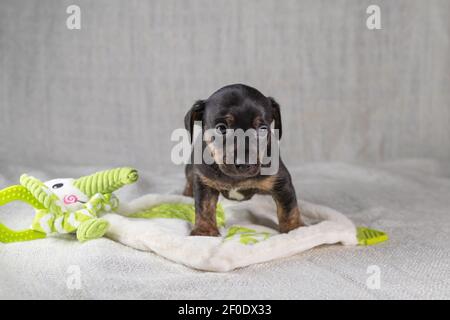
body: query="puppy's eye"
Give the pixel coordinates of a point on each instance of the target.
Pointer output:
(221, 128)
(263, 130)
(57, 186)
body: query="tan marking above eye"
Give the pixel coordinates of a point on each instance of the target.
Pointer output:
(229, 118)
(258, 122)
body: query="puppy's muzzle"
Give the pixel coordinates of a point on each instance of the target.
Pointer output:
(240, 170)
(247, 168)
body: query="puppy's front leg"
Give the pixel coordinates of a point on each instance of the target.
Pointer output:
(287, 208)
(205, 209)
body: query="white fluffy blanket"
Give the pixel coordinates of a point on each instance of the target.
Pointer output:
(256, 238)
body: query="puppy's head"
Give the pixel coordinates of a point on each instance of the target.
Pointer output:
(236, 121)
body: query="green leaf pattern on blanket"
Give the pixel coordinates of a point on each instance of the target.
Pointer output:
(186, 212)
(246, 235)
(181, 211)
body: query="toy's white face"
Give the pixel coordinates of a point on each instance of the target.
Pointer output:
(69, 195)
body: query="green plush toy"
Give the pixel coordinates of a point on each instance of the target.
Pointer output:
(67, 205)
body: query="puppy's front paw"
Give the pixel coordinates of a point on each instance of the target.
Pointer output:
(211, 232)
(290, 225)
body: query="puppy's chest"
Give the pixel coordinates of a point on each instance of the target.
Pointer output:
(243, 190)
(238, 194)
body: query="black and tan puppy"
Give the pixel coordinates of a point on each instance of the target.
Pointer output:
(237, 107)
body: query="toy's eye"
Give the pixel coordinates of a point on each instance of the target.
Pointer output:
(57, 186)
(221, 128)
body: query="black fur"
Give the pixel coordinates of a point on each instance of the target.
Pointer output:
(246, 106)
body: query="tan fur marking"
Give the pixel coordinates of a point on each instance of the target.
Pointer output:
(188, 191)
(263, 185)
(229, 118)
(205, 222)
(257, 122)
(215, 153)
(288, 221)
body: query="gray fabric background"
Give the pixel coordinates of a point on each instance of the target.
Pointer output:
(112, 92)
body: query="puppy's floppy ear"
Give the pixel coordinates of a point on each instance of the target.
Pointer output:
(194, 114)
(276, 115)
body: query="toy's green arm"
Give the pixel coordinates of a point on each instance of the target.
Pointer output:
(18, 193)
(106, 181)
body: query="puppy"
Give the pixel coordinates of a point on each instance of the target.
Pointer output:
(237, 107)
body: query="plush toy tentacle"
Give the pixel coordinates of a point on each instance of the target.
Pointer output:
(48, 200)
(106, 181)
(102, 203)
(7, 235)
(43, 221)
(47, 222)
(92, 229)
(18, 193)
